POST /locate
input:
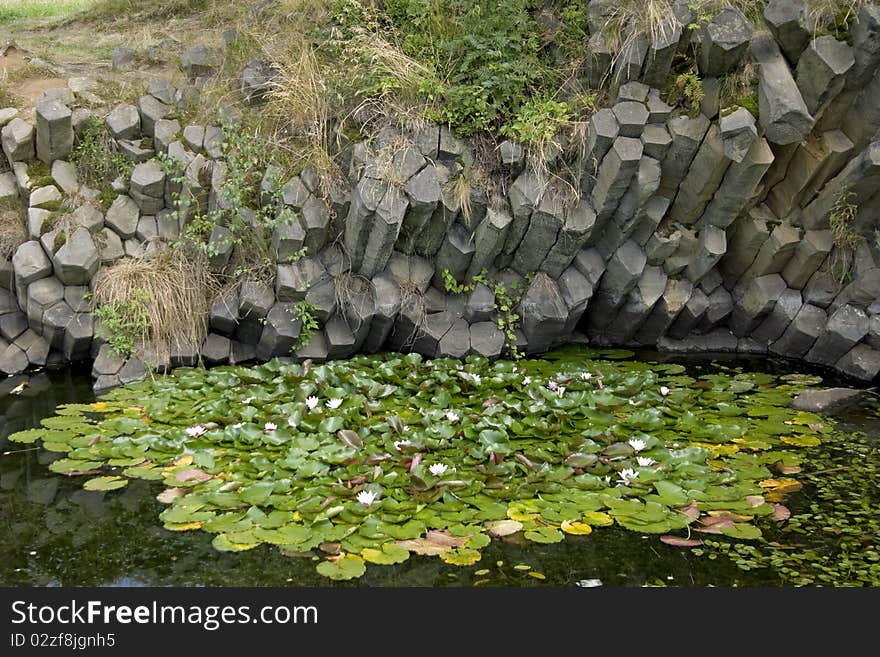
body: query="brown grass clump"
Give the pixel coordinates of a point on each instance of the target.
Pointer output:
(172, 288)
(12, 232)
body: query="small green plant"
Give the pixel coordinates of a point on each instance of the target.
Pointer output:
(846, 239)
(537, 121)
(452, 285)
(124, 323)
(688, 90)
(97, 161)
(305, 312)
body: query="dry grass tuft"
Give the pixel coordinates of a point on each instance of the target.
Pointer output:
(175, 288)
(12, 232)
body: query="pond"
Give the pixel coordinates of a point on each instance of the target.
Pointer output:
(564, 471)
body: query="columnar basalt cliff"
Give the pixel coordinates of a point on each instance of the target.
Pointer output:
(704, 231)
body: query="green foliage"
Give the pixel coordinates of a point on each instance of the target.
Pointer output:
(452, 286)
(123, 324)
(687, 89)
(305, 312)
(537, 120)
(97, 161)
(482, 61)
(250, 213)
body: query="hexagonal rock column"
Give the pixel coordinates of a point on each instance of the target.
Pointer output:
(365, 199)
(544, 314)
(821, 72)
(486, 340)
(865, 34)
(845, 328)
(215, 350)
(54, 131)
(787, 20)
(281, 332)
(711, 246)
(78, 258)
(489, 240)
(457, 341)
(124, 122)
(703, 178)
(576, 290)
(622, 272)
(18, 141)
(455, 254)
(754, 301)
(808, 256)
(200, 61)
(544, 226)
(524, 196)
(635, 310)
(663, 47)
(783, 113)
(800, 335)
(424, 193)
(574, 233)
(774, 324)
(29, 263)
(615, 173)
(602, 131)
(687, 135)
(667, 308)
(861, 362)
(386, 293)
(689, 317)
(738, 186)
(725, 40)
(42, 295)
(775, 253)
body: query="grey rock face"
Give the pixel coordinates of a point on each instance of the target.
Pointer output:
(631, 118)
(486, 340)
(615, 173)
(687, 135)
(774, 324)
(573, 234)
(808, 256)
(457, 341)
(18, 141)
(77, 261)
(784, 115)
(787, 20)
(703, 178)
(122, 216)
(756, 299)
(738, 133)
(821, 72)
(544, 226)
(845, 328)
(666, 310)
(122, 58)
(866, 46)
(110, 245)
(825, 401)
(54, 131)
(544, 314)
(861, 362)
(739, 185)
(663, 47)
(281, 332)
(200, 61)
(30, 263)
(124, 122)
(216, 350)
(256, 81)
(801, 333)
(725, 40)
(255, 299)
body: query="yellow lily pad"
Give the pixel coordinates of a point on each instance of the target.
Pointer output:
(575, 528)
(801, 440)
(597, 519)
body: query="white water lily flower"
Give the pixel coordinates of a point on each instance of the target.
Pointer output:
(560, 391)
(626, 475)
(552, 385)
(366, 497)
(312, 402)
(291, 421)
(586, 376)
(438, 469)
(238, 425)
(664, 390)
(196, 431)
(270, 426)
(333, 403)
(526, 380)
(637, 444)
(401, 443)
(452, 416)
(645, 461)
(476, 378)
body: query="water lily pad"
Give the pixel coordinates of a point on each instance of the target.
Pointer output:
(461, 556)
(679, 541)
(545, 535)
(503, 527)
(389, 553)
(105, 483)
(597, 519)
(801, 440)
(344, 567)
(576, 528)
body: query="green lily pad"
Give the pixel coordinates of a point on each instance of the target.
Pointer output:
(349, 566)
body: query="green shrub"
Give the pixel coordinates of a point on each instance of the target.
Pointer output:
(97, 161)
(124, 323)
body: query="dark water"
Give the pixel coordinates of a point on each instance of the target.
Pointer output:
(54, 533)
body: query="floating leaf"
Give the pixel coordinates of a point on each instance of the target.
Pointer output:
(389, 553)
(168, 495)
(801, 440)
(344, 567)
(597, 519)
(105, 483)
(679, 541)
(780, 512)
(461, 556)
(575, 528)
(503, 527)
(350, 438)
(192, 475)
(536, 575)
(545, 535)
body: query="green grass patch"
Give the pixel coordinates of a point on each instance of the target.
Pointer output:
(14, 10)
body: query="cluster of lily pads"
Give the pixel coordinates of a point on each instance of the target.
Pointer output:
(379, 457)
